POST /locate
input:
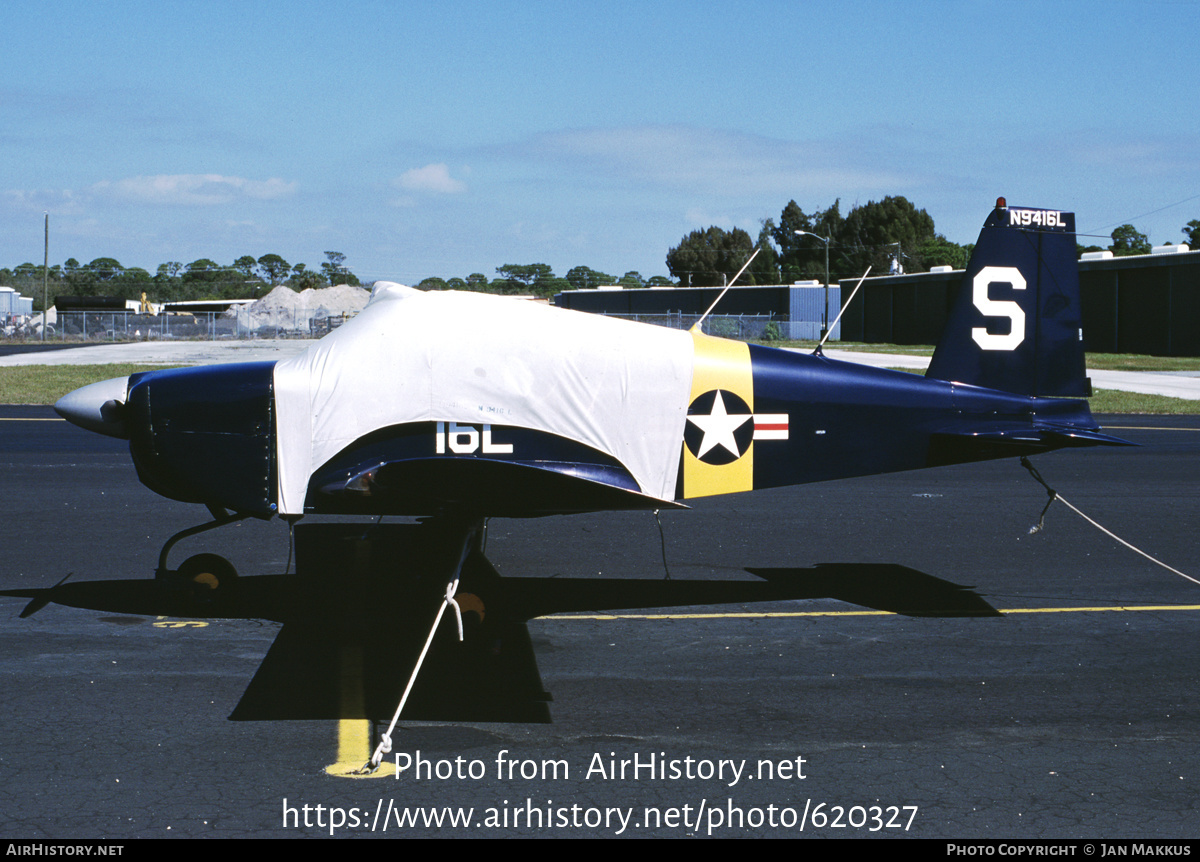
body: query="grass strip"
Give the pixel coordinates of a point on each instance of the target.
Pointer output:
(45, 384)
(1095, 361)
(1116, 401)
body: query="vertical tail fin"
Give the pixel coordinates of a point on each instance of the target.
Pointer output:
(1015, 325)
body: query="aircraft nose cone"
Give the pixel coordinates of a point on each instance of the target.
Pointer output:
(98, 407)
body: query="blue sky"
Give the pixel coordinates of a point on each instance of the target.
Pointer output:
(446, 138)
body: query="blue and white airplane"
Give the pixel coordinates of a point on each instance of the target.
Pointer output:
(463, 406)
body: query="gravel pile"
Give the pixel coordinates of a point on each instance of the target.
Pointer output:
(285, 309)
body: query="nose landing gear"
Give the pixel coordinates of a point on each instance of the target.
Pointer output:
(204, 580)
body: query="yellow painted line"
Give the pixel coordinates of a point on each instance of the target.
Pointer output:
(1101, 609)
(354, 734)
(353, 749)
(726, 616)
(354, 728)
(776, 615)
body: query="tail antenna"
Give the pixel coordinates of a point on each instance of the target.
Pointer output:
(696, 325)
(845, 305)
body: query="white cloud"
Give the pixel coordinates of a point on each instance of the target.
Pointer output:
(58, 202)
(192, 189)
(717, 161)
(431, 178)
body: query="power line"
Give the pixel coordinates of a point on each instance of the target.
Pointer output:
(1135, 218)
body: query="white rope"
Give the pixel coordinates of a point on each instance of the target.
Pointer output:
(385, 744)
(1123, 542)
(1054, 495)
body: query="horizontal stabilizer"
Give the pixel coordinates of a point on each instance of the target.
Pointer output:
(1082, 437)
(1008, 439)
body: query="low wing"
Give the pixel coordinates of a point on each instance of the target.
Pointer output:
(420, 468)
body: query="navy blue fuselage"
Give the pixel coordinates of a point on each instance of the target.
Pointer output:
(757, 417)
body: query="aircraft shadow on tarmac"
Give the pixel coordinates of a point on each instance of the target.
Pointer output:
(355, 618)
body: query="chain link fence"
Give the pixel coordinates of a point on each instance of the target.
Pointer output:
(209, 325)
(297, 323)
(741, 327)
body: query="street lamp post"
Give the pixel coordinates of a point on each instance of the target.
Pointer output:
(825, 316)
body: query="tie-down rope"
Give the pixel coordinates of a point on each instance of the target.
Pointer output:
(385, 744)
(1054, 495)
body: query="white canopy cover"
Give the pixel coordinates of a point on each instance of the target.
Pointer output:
(413, 356)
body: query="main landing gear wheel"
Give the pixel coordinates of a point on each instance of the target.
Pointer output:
(207, 579)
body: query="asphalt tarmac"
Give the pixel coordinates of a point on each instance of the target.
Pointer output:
(906, 659)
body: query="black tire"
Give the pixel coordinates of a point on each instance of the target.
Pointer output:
(208, 578)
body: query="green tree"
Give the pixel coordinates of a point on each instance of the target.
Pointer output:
(76, 278)
(245, 265)
(130, 283)
(302, 278)
(710, 257)
(876, 232)
(202, 279)
(802, 258)
(526, 274)
(243, 281)
(939, 251)
(202, 270)
(104, 269)
(137, 276)
(335, 271)
(166, 281)
(273, 268)
(765, 268)
(584, 278)
(26, 275)
(1127, 240)
(1191, 235)
(535, 278)
(98, 278)
(551, 286)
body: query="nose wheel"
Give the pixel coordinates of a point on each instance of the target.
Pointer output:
(207, 579)
(204, 579)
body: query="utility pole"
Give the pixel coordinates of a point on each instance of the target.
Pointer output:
(825, 316)
(46, 279)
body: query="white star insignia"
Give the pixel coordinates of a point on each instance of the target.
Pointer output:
(719, 428)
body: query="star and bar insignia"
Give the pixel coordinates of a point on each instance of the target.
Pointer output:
(721, 427)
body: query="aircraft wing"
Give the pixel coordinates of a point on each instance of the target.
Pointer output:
(421, 467)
